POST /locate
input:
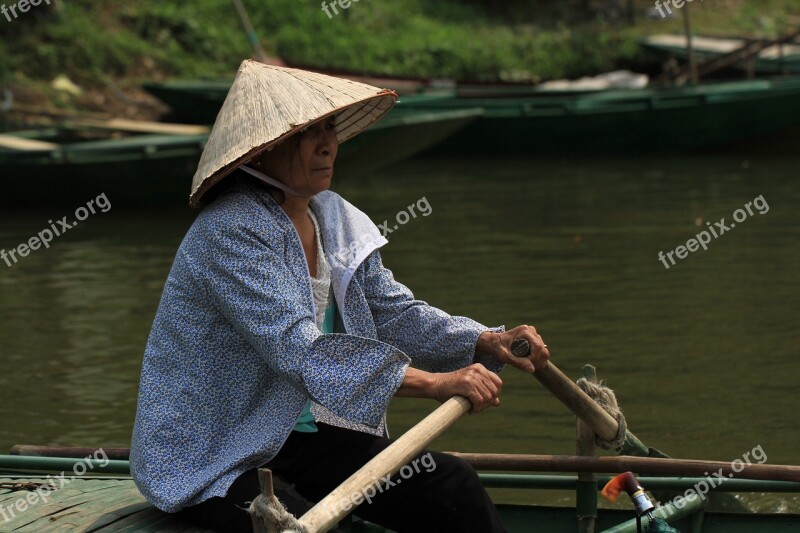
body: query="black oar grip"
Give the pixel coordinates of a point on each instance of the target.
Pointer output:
(520, 348)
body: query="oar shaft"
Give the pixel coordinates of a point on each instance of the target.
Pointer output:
(340, 502)
(641, 465)
(578, 401)
(603, 424)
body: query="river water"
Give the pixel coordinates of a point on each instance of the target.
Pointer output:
(703, 355)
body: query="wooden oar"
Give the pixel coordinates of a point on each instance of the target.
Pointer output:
(640, 465)
(77, 452)
(336, 505)
(563, 388)
(139, 126)
(19, 143)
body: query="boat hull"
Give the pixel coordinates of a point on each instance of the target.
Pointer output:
(90, 503)
(639, 121)
(157, 170)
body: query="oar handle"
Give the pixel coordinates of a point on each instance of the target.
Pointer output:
(325, 514)
(571, 395)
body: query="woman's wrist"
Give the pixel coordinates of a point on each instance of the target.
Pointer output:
(418, 384)
(487, 344)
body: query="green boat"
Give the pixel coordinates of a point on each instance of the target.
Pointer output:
(138, 169)
(193, 101)
(70, 164)
(527, 120)
(199, 101)
(772, 60)
(401, 135)
(101, 497)
(621, 121)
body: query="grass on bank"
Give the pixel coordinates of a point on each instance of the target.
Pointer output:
(114, 46)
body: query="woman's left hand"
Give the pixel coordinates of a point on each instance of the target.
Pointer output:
(499, 346)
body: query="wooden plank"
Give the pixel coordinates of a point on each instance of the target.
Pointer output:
(114, 517)
(76, 452)
(79, 503)
(139, 126)
(98, 510)
(151, 520)
(640, 465)
(19, 143)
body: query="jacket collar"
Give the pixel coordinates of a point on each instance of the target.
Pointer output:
(348, 234)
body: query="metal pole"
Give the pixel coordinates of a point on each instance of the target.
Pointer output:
(586, 489)
(251, 32)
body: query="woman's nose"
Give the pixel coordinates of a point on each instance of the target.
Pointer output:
(328, 142)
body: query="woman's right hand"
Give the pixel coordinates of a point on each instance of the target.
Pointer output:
(476, 383)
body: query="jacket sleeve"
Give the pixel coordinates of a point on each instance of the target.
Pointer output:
(434, 340)
(254, 285)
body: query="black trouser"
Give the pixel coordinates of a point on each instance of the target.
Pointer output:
(437, 493)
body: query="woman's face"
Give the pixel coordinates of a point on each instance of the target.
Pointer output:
(304, 161)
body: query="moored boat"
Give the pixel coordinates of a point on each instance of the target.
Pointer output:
(138, 169)
(773, 59)
(147, 169)
(198, 101)
(653, 120)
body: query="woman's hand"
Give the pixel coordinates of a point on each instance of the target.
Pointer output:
(476, 383)
(498, 345)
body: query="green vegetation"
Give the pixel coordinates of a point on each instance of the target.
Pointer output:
(110, 45)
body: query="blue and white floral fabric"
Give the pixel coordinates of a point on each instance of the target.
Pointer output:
(234, 353)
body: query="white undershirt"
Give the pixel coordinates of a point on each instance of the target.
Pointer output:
(321, 284)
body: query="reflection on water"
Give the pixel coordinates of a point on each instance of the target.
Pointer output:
(702, 356)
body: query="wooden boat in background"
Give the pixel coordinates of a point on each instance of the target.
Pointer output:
(78, 160)
(60, 166)
(192, 101)
(652, 120)
(401, 135)
(772, 60)
(199, 101)
(530, 120)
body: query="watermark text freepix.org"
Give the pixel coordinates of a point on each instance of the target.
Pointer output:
(57, 228)
(381, 485)
(344, 4)
(716, 230)
(715, 479)
(23, 6)
(676, 3)
(403, 217)
(42, 493)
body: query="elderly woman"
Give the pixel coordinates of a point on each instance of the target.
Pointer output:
(281, 338)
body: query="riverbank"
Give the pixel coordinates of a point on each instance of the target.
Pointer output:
(104, 51)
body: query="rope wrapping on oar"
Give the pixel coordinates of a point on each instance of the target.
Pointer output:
(272, 511)
(606, 399)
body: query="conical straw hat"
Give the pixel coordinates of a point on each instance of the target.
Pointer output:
(267, 104)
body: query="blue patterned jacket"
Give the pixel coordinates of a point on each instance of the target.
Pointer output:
(234, 352)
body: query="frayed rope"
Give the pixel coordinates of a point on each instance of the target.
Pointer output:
(606, 398)
(275, 513)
